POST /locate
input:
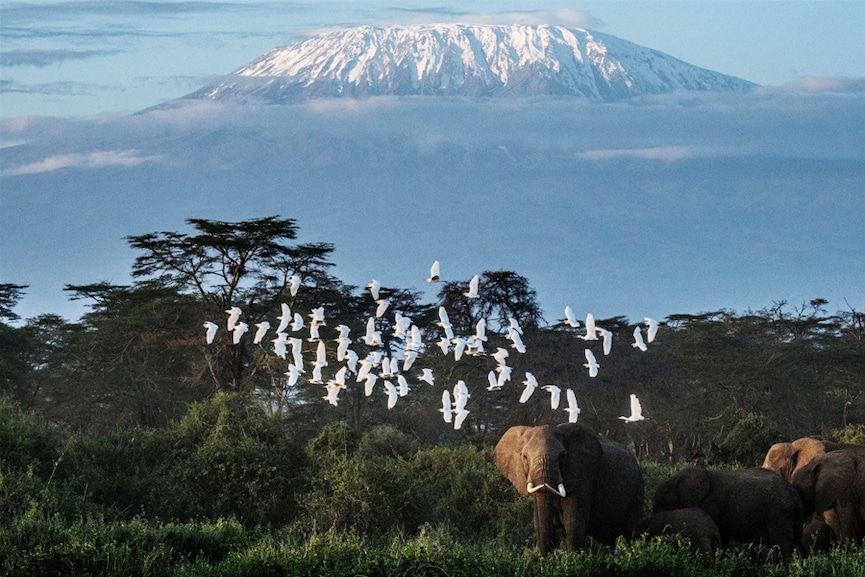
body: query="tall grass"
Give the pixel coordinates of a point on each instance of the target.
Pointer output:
(225, 548)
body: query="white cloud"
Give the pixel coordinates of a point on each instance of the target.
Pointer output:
(661, 153)
(819, 84)
(98, 159)
(562, 17)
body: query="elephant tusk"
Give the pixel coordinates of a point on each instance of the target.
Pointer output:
(532, 488)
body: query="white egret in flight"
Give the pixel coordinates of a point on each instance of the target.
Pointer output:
(555, 395)
(653, 329)
(572, 408)
(591, 363)
(263, 326)
(636, 411)
(473, 287)
(211, 331)
(434, 272)
(638, 339)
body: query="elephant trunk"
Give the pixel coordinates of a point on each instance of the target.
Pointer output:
(546, 485)
(546, 514)
(544, 474)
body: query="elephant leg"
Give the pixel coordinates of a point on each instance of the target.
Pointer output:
(575, 519)
(847, 521)
(816, 535)
(830, 518)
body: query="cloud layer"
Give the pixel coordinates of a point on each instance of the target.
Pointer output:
(667, 205)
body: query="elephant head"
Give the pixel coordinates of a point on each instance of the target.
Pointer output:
(835, 483)
(785, 458)
(556, 465)
(546, 458)
(685, 490)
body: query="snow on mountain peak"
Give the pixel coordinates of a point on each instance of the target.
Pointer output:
(465, 60)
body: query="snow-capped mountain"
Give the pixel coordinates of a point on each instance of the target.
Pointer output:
(465, 60)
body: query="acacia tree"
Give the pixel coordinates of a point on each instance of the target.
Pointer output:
(502, 295)
(246, 264)
(15, 347)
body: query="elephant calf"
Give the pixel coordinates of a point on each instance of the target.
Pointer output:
(747, 505)
(692, 523)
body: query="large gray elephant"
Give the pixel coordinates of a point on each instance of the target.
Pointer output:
(835, 481)
(591, 485)
(747, 505)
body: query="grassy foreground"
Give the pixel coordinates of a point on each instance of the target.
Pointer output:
(224, 548)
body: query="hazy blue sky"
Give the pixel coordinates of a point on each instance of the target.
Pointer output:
(668, 205)
(89, 57)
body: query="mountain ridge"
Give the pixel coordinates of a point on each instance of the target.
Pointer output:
(464, 60)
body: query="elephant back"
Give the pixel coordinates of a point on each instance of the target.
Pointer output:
(747, 505)
(756, 505)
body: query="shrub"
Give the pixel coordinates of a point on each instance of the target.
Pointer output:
(336, 440)
(386, 441)
(230, 459)
(749, 440)
(27, 442)
(853, 434)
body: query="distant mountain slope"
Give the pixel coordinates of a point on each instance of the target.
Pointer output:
(465, 60)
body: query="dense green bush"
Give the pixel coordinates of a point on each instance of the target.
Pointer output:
(26, 441)
(225, 458)
(749, 440)
(373, 490)
(228, 458)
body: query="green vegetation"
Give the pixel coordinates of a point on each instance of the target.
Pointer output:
(184, 501)
(130, 447)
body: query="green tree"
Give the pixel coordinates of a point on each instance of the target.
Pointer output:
(14, 344)
(10, 294)
(134, 360)
(247, 264)
(502, 295)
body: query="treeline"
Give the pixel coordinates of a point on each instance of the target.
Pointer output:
(138, 358)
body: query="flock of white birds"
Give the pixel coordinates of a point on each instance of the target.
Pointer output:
(382, 365)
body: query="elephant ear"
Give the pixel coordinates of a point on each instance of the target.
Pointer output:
(583, 454)
(777, 457)
(692, 486)
(508, 457)
(806, 449)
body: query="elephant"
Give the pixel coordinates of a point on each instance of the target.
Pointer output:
(691, 523)
(787, 458)
(836, 481)
(748, 505)
(591, 485)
